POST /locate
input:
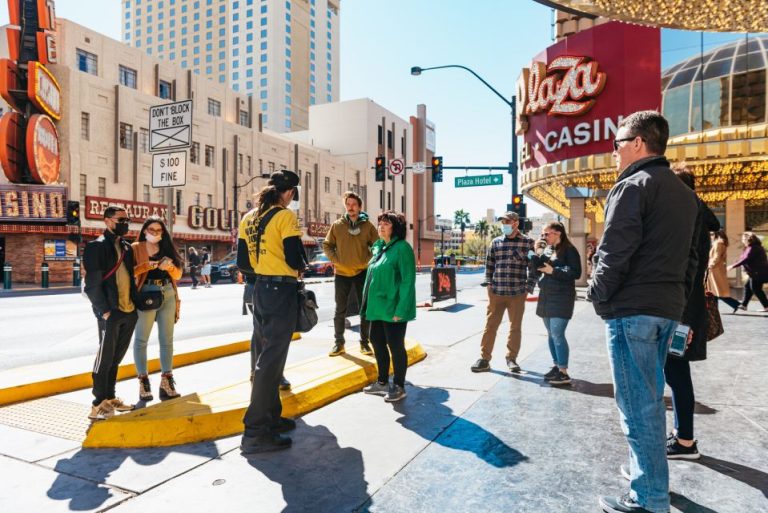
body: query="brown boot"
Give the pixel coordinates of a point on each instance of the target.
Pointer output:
(168, 386)
(145, 390)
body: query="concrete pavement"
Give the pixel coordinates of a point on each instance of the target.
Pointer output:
(459, 441)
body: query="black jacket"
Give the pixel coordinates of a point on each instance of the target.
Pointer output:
(695, 314)
(646, 259)
(100, 257)
(558, 290)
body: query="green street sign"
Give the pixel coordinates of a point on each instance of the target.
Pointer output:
(477, 181)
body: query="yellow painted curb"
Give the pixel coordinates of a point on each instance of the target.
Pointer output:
(219, 413)
(61, 384)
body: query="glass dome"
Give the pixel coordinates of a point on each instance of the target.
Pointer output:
(726, 84)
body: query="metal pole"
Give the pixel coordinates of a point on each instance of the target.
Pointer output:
(171, 192)
(513, 161)
(442, 246)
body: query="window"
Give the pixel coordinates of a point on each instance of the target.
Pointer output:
(309, 180)
(250, 166)
(85, 126)
(210, 200)
(210, 156)
(327, 184)
(127, 77)
(244, 118)
(240, 163)
(338, 187)
(197, 199)
(147, 198)
(83, 186)
(194, 153)
(102, 187)
(214, 107)
(126, 136)
(164, 89)
(271, 167)
(87, 62)
(178, 201)
(144, 140)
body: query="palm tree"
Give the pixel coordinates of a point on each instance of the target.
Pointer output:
(461, 219)
(482, 229)
(495, 231)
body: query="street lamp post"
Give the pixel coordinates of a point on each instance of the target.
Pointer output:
(417, 70)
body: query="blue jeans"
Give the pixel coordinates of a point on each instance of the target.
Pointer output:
(637, 348)
(166, 318)
(558, 345)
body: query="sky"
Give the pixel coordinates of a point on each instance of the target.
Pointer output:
(382, 39)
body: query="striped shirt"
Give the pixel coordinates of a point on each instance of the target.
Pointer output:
(506, 266)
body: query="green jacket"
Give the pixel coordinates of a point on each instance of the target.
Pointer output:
(390, 285)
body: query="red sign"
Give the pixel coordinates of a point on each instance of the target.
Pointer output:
(12, 146)
(318, 229)
(43, 90)
(11, 81)
(43, 149)
(572, 98)
(136, 210)
(35, 203)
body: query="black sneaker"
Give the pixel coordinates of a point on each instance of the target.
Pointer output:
(284, 425)
(481, 365)
(284, 383)
(365, 348)
(396, 393)
(512, 365)
(561, 379)
(337, 349)
(677, 451)
(623, 504)
(552, 373)
(264, 443)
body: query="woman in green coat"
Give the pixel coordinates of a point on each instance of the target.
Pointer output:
(389, 302)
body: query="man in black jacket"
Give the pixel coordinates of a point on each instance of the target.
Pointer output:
(110, 286)
(644, 273)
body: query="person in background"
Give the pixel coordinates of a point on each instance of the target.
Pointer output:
(348, 246)
(509, 280)
(755, 264)
(681, 443)
(273, 236)
(157, 267)
(194, 262)
(109, 285)
(645, 271)
(717, 276)
(205, 271)
(389, 302)
(557, 297)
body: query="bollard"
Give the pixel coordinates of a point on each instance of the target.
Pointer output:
(76, 274)
(44, 275)
(7, 272)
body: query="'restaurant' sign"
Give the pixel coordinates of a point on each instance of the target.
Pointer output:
(576, 92)
(136, 210)
(33, 203)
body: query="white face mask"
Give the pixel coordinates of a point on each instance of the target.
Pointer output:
(154, 239)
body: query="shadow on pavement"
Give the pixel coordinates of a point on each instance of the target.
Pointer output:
(95, 466)
(757, 479)
(316, 474)
(420, 414)
(686, 505)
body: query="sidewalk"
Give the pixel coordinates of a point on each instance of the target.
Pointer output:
(459, 442)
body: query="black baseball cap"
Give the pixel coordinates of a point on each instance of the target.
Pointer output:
(284, 180)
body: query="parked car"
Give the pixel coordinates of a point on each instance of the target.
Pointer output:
(320, 266)
(225, 269)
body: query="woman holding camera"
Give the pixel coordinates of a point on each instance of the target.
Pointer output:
(157, 268)
(560, 265)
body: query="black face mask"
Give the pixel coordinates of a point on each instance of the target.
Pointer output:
(120, 229)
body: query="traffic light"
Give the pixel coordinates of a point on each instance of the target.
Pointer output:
(381, 168)
(73, 213)
(518, 206)
(437, 169)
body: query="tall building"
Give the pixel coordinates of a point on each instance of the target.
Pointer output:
(284, 53)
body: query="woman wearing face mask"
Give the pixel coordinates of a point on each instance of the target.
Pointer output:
(157, 267)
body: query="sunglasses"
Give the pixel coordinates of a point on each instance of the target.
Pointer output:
(122, 220)
(617, 141)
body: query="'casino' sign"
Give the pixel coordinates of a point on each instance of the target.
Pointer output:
(33, 203)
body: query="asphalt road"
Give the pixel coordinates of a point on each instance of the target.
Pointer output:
(38, 329)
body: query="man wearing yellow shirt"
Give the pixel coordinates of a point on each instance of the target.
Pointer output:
(348, 246)
(273, 241)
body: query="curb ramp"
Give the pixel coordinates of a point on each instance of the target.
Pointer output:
(37, 381)
(219, 413)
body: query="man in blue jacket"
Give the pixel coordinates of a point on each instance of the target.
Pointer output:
(640, 285)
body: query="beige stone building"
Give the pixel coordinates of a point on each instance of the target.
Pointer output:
(285, 53)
